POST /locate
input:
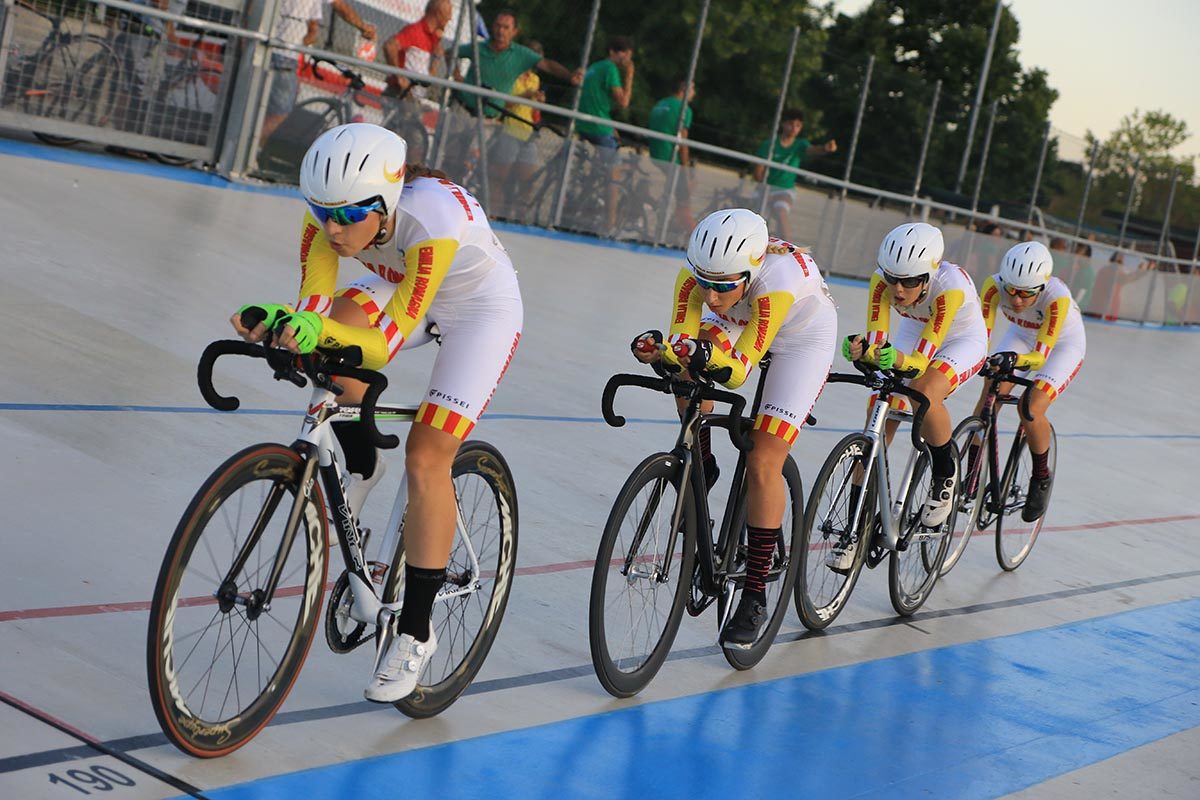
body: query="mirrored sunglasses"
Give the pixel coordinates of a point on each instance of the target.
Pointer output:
(907, 283)
(720, 287)
(1024, 294)
(345, 215)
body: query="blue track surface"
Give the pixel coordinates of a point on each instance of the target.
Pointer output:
(976, 720)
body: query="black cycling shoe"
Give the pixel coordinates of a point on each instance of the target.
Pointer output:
(1035, 503)
(711, 472)
(742, 629)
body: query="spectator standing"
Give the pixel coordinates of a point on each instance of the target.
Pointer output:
(608, 83)
(502, 61)
(791, 150)
(1083, 276)
(418, 46)
(297, 22)
(664, 117)
(515, 144)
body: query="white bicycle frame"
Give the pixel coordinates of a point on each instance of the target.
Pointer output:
(368, 606)
(889, 510)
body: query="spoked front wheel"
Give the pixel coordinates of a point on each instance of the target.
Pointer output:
(781, 577)
(914, 567)
(971, 490)
(836, 542)
(1014, 543)
(641, 577)
(471, 603)
(221, 656)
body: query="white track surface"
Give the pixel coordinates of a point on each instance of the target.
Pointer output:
(111, 284)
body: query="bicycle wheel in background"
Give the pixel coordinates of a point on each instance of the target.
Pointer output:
(75, 81)
(971, 490)
(220, 662)
(638, 587)
(821, 591)
(913, 571)
(781, 579)
(1014, 544)
(466, 624)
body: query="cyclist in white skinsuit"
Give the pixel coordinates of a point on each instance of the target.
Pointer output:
(941, 335)
(762, 294)
(1045, 340)
(434, 259)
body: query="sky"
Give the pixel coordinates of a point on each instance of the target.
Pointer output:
(1109, 57)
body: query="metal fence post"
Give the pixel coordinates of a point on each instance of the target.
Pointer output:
(669, 205)
(6, 35)
(561, 198)
(1163, 236)
(1137, 164)
(983, 76)
(1087, 187)
(862, 106)
(983, 159)
(482, 176)
(1037, 180)
(439, 133)
(783, 90)
(916, 190)
(247, 98)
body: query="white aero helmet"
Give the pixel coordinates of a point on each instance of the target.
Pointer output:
(1026, 266)
(728, 242)
(911, 250)
(352, 164)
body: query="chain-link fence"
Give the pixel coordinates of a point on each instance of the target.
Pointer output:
(248, 86)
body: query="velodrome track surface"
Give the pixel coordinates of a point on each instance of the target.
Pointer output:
(1076, 676)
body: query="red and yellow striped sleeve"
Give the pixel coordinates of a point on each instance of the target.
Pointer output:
(426, 264)
(989, 300)
(879, 310)
(1052, 325)
(767, 315)
(688, 308)
(318, 268)
(945, 306)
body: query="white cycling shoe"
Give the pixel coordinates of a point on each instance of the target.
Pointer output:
(940, 501)
(398, 667)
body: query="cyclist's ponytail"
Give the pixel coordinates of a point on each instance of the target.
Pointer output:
(414, 171)
(778, 249)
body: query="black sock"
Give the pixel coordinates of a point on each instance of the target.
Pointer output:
(420, 588)
(942, 459)
(761, 547)
(360, 453)
(1041, 465)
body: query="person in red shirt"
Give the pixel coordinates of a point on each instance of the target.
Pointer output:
(417, 45)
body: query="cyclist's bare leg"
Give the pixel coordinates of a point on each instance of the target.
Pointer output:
(937, 427)
(765, 496)
(1038, 430)
(430, 520)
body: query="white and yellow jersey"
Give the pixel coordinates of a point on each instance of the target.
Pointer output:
(1052, 319)
(786, 295)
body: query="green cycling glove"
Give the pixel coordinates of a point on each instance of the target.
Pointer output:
(885, 356)
(273, 312)
(307, 327)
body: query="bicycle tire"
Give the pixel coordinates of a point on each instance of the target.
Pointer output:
(969, 506)
(781, 580)
(638, 659)
(819, 599)
(184, 593)
(1011, 552)
(908, 586)
(73, 81)
(483, 483)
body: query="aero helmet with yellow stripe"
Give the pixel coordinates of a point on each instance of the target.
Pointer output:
(728, 242)
(353, 164)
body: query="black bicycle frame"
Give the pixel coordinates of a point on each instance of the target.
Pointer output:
(992, 404)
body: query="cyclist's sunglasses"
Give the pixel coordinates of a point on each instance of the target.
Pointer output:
(907, 283)
(346, 215)
(720, 287)
(1024, 294)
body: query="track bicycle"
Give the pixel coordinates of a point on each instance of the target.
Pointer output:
(660, 552)
(871, 522)
(990, 494)
(238, 597)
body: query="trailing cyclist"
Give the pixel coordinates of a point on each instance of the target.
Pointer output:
(762, 294)
(1045, 343)
(941, 337)
(435, 259)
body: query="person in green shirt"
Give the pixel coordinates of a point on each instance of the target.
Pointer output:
(664, 117)
(607, 84)
(502, 60)
(791, 150)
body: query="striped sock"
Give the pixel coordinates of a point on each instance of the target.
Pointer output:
(761, 542)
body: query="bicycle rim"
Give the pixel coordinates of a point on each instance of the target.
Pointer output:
(466, 622)
(219, 668)
(638, 587)
(1015, 541)
(969, 431)
(820, 591)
